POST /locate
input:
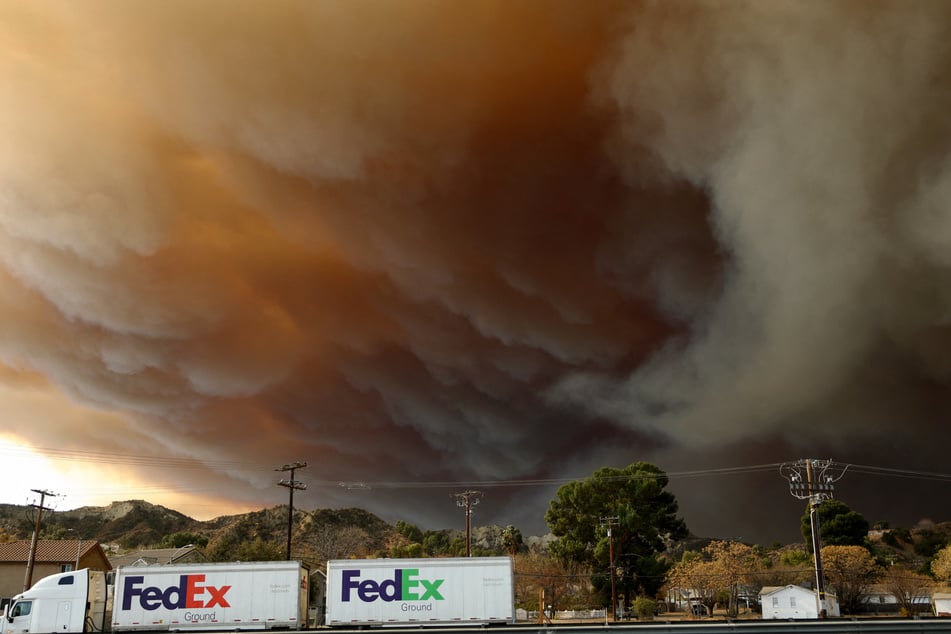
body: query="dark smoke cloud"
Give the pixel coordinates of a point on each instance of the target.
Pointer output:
(431, 242)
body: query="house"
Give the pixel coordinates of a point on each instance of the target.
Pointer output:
(52, 556)
(880, 599)
(159, 556)
(794, 602)
(941, 602)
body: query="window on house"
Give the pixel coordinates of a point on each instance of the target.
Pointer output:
(775, 602)
(792, 602)
(66, 567)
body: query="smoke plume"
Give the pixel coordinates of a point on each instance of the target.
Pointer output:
(423, 242)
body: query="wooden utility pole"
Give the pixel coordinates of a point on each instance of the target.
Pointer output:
(291, 485)
(609, 522)
(28, 579)
(466, 500)
(813, 480)
(814, 501)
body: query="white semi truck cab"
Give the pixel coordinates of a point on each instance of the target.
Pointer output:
(75, 601)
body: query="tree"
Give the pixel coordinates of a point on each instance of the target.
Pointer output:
(180, 539)
(734, 564)
(512, 540)
(230, 549)
(941, 564)
(409, 531)
(910, 588)
(786, 565)
(694, 578)
(850, 570)
(544, 580)
(339, 542)
(838, 525)
(929, 541)
(722, 568)
(643, 519)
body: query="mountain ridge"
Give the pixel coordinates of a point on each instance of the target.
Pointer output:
(322, 534)
(128, 525)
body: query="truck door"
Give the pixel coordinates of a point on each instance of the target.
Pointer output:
(62, 616)
(20, 618)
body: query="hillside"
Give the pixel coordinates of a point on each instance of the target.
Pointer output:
(335, 533)
(136, 524)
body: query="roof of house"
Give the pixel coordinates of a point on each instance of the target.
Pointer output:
(157, 556)
(771, 589)
(766, 590)
(47, 550)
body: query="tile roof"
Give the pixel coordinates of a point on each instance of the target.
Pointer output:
(47, 550)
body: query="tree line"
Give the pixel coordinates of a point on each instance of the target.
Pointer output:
(618, 539)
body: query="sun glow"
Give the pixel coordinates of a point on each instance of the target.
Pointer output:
(25, 470)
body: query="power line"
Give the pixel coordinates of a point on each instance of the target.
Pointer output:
(234, 466)
(105, 457)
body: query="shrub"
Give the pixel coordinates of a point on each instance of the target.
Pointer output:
(644, 607)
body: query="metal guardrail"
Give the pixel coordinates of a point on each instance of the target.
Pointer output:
(830, 626)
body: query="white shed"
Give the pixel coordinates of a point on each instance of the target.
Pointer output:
(941, 601)
(794, 602)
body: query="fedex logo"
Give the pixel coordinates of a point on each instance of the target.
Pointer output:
(404, 586)
(189, 593)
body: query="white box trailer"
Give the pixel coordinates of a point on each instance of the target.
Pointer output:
(160, 598)
(450, 591)
(245, 595)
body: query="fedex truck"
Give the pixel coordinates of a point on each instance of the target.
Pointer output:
(182, 597)
(452, 591)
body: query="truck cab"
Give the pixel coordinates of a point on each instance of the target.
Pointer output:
(64, 603)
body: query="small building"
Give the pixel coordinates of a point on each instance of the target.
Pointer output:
(941, 602)
(52, 556)
(794, 602)
(159, 556)
(881, 599)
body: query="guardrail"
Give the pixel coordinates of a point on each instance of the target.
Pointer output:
(827, 626)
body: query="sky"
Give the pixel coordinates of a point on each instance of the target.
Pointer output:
(430, 247)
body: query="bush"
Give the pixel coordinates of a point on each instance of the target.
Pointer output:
(929, 542)
(644, 608)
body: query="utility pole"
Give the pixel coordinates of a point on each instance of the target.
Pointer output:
(28, 579)
(609, 522)
(291, 485)
(813, 480)
(466, 500)
(79, 546)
